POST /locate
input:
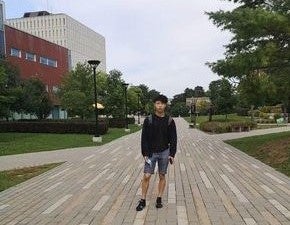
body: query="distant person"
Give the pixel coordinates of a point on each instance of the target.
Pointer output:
(158, 144)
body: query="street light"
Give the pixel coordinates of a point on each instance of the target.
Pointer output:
(125, 85)
(94, 64)
(138, 108)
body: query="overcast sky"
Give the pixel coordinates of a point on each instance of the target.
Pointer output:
(161, 43)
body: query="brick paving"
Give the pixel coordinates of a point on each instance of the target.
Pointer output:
(210, 183)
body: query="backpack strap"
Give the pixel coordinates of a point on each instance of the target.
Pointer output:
(150, 119)
(169, 120)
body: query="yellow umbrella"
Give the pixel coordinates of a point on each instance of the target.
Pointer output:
(99, 105)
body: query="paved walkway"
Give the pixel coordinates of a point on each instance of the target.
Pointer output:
(210, 183)
(236, 135)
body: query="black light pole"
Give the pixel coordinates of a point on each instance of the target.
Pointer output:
(94, 64)
(191, 110)
(125, 85)
(138, 108)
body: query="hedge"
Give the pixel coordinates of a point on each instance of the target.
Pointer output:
(52, 126)
(120, 122)
(224, 127)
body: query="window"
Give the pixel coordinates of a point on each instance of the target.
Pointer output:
(15, 52)
(48, 62)
(30, 57)
(52, 62)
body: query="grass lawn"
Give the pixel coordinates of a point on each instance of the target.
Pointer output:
(272, 149)
(16, 143)
(10, 178)
(220, 118)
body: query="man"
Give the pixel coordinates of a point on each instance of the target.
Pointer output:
(158, 144)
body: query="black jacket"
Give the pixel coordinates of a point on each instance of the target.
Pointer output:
(158, 136)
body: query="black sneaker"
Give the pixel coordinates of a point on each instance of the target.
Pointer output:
(141, 205)
(159, 203)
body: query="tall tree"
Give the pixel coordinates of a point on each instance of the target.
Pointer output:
(76, 91)
(222, 96)
(133, 92)
(144, 97)
(260, 42)
(11, 94)
(37, 101)
(114, 100)
(199, 91)
(189, 92)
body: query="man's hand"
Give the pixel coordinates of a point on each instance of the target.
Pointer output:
(171, 159)
(145, 158)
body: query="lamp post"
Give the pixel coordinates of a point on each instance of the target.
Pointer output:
(125, 85)
(194, 112)
(94, 64)
(138, 108)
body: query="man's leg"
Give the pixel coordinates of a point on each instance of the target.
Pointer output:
(162, 167)
(145, 184)
(148, 170)
(161, 185)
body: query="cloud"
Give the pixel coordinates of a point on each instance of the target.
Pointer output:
(161, 43)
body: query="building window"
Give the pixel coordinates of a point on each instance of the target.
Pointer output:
(15, 52)
(30, 57)
(48, 62)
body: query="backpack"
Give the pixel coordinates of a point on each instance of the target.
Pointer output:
(150, 118)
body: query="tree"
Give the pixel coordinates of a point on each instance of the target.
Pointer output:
(115, 100)
(260, 42)
(76, 91)
(221, 96)
(11, 96)
(199, 91)
(257, 90)
(179, 108)
(144, 98)
(37, 101)
(178, 98)
(188, 93)
(133, 92)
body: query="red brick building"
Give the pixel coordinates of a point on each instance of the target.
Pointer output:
(40, 58)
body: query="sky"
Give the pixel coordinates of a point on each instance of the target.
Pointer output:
(163, 44)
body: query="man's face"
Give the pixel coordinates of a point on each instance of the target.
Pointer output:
(159, 106)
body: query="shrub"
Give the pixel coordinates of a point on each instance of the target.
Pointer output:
(224, 127)
(242, 111)
(60, 127)
(120, 122)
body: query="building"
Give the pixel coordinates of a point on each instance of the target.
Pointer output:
(39, 58)
(84, 43)
(197, 101)
(2, 31)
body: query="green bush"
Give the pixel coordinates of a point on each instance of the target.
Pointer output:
(120, 122)
(60, 127)
(242, 111)
(224, 127)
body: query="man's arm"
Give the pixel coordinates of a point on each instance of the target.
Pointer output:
(144, 138)
(172, 138)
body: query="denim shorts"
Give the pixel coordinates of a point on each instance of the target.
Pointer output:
(161, 158)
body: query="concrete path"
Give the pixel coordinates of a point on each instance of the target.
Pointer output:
(210, 183)
(236, 135)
